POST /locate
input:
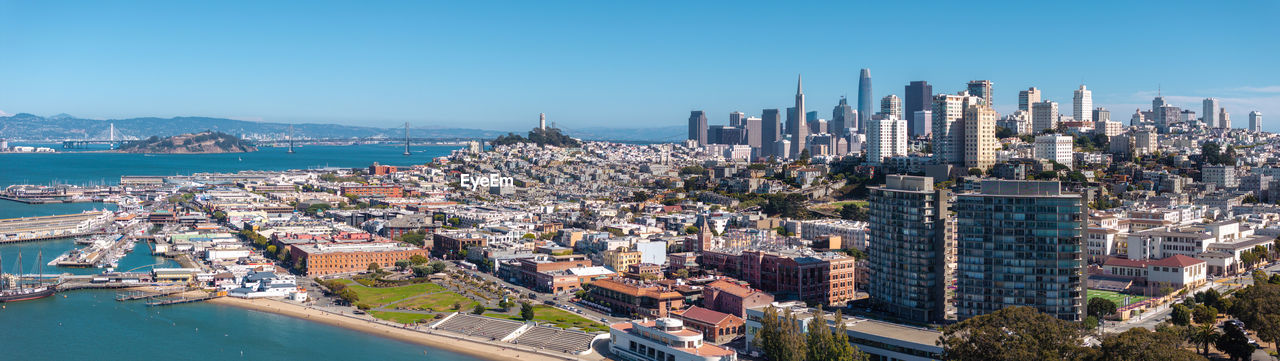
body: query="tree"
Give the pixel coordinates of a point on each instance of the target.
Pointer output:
(1002, 132)
(1204, 335)
(1091, 322)
(1100, 307)
(271, 250)
(1014, 333)
(1258, 306)
(682, 273)
(1234, 342)
(1141, 344)
(780, 339)
(1209, 297)
(1180, 315)
(373, 267)
(418, 259)
(478, 310)
(402, 265)
(457, 305)
(421, 271)
(526, 311)
(437, 266)
(853, 212)
(691, 230)
(1204, 314)
(504, 304)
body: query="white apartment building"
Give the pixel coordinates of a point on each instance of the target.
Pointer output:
(980, 142)
(1082, 104)
(1054, 147)
(1221, 175)
(1044, 115)
(886, 137)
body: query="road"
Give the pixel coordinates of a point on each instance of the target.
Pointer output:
(560, 301)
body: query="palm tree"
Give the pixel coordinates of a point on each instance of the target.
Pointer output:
(1204, 335)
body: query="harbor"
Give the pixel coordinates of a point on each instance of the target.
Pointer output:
(27, 229)
(101, 251)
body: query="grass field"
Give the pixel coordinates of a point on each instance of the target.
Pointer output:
(555, 316)
(438, 302)
(1118, 298)
(377, 297)
(401, 317)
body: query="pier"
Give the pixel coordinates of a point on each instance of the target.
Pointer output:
(181, 300)
(50, 227)
(140, 295)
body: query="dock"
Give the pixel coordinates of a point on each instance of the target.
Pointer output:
(141, 295)
(50, 227)
(181, 300)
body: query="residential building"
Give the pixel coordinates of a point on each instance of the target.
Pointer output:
(1255, 121)
(636, 298)
(733, 297)
(619, 260)
(383, 191)
(716, 327)
(886, 137)
(908, 247)
(1044, 116)
(1020, 243)
(1220, 175)
(891, 106)
(1026, 98)
(980, 141)
(1210, 111)
(333, 258)
(1055, 148)
(1082, 105)
(982, 89)
(822, 277)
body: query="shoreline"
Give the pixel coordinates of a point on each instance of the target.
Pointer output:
(450, 343)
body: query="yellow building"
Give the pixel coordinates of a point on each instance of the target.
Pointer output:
(619, 260)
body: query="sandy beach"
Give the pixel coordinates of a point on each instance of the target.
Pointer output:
(440, 341)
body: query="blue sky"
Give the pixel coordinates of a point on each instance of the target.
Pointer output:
(496, 65)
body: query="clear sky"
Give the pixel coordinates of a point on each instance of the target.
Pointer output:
(496, 65)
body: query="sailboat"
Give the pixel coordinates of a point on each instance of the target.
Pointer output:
(13, 288)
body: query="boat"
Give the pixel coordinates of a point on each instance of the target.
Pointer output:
(14, 288)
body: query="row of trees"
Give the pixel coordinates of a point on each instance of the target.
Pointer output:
(1022, 333)
(781, 339)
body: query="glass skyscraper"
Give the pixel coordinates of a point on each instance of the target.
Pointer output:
(908, 248)
(1020, 243)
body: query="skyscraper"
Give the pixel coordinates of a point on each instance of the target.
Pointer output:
(798, 130)
(1020, 243)
(864, 96)
(891, 106)
(886, 137)
(925, 125)
(1101, 114)
(1209, 112)
(1224, 119)
(1044, 115)
(698, 127)
(1027, 98)
(1255, 121)
(842, 118)
(1082, 105)
(982, 89)
(980, 142)
(770, 132)
(948, 126)
(919, 96)
(737, 119)
(753, 127)
(907, 247)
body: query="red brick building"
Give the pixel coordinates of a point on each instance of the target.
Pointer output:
(390, 191)
(327, 259)
(632, 297)
(728, 296)
(826, 278)
(716, 327)
(378, 169)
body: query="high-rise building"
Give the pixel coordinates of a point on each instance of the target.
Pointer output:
(1082, 105)
(1157, 108)
(842, 118)
(1255, 121)
(1054, 147)
(753, 126)
(798, 129)
(922, 127)
(886, 137)
(1209, 112)
(1224, 119)
(1020, 243)
(737, 119)
(891, 106)
(1101, 114)
(1044, 115)
(698, 127)
(907, 247)
(770, 132)
(1027, 98)
(980, 141)
(811, 116)
(864, 96)
(948, 126)
(981, 89)
(817, 126)
(919, 96)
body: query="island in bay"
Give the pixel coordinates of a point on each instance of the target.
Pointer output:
(193, 143)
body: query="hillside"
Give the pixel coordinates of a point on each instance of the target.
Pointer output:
(196, 143)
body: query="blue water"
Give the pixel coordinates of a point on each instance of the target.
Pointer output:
(88, 168)
(92, 325)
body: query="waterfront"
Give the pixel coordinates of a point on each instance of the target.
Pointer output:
(97, 168)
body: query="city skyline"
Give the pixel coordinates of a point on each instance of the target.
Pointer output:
(382, 73)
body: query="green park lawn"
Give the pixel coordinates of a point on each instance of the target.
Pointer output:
(1116, 297)
(377, 297)
(438, 302)
(401, 317)
(555, 316)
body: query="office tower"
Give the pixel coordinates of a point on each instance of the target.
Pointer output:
(907, 247)
(864, 96)
(948, 128)
(737, 119)
(886, 137)
(1157, 108)
(714, 134)
(842, 118)
(1255, 121)
(1082, 105)
(770, 132)
(811, 116)
(698, 127)
(1054, 147)
(798, 129)
(1020, 243)
(1027, 98)
(980, 142)
(817, 126)
(981, 89)
(1210, 112)
(542, 121)
(891, 106)
(1044, 115)
(753, 126)
(1101, 114)
(919, 96)
(1224, 119)
(1137, 118)
(1188, 116)
(921, 127)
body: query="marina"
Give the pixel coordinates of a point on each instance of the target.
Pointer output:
(51, 227)
(101, 251)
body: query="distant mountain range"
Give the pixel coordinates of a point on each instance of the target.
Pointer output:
(62, 126)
